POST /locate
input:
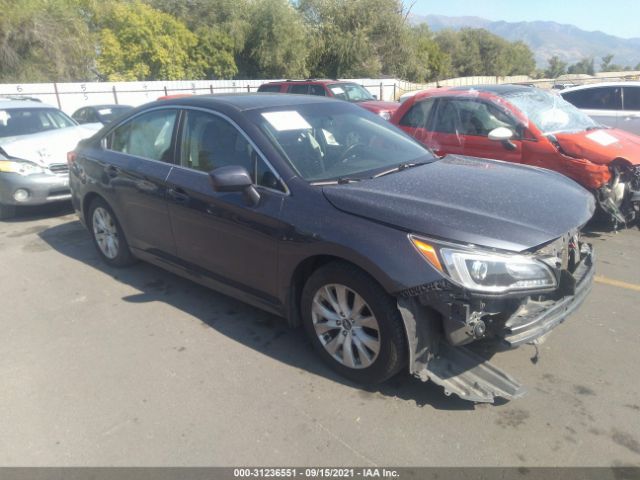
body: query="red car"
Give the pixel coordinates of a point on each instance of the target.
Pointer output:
(349, 91)
(530, 126)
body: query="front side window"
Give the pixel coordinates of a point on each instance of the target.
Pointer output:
(632, 98)
(600, 98)
(25, 121)
(148, 135)
(209, 142)
(327, 142)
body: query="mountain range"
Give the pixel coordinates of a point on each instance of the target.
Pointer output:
(546, 39)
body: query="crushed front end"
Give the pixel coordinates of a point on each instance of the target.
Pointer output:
(442, 318)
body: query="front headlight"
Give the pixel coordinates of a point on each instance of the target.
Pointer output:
(487, 271)
(20, 167)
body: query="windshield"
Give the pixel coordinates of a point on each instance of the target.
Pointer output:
(24, 121)
(326, 142)
(109, 113)
(550, 112)
(351, 92)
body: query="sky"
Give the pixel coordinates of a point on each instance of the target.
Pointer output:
(615, 17)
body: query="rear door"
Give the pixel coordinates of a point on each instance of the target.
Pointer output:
(135, 163)
(603, 104)
(630, 117)
(416, 120)
(218, 234)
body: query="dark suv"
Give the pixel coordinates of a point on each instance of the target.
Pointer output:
(323, 213)
(349, 91)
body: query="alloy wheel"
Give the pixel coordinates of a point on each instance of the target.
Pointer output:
(106, 233)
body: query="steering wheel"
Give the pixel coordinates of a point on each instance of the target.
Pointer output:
(349, 151)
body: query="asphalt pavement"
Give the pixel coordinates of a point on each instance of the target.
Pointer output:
(103, 366)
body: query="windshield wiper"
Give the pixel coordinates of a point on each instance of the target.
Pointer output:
(398, 168)
(337, 181)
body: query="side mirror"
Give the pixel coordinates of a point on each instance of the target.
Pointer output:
(234, 178)
(500, 134)
(504, 135)
(375, 96)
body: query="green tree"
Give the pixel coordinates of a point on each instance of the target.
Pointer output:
(138, 42)
(277, 43)
(556, 67)
(357, 38)
(521, 59)
(426, 62)
(42, 40)
(584, 66)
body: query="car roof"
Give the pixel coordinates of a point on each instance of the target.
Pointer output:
(10, 104)
(601, 84)
(247, 101)
(500, 90)
(317, 81)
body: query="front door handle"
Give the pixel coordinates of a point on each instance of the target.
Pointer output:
(178, 195)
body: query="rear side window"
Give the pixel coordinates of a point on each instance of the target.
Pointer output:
(600, 98)
(317, 90)
(632, 98)
(300, 89)
(269, 88)
(418, 115)
(148, 135)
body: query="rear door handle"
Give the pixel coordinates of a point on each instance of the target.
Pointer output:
(178, 195)
(112, 171)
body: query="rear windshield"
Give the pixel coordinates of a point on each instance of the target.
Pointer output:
(109, 113)
(25, 121)
(331, 141)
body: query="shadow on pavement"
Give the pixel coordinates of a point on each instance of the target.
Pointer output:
(249, 326)
(38, 212)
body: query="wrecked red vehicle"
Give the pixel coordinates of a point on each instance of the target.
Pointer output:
(530, 126)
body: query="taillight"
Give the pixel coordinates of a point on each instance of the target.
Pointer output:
(71, 158)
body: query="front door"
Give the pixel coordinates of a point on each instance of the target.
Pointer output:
(219, 234)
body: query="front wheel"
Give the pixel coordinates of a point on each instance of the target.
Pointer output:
(353, 323)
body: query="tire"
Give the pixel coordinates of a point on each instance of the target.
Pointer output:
(370, 325)
(7, 211)
(107, 235)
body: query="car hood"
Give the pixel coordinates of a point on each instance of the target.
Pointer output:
(47, 148)
(601, 146)
(468, 200)
(377, 106)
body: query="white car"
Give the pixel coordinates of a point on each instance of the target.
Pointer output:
(34, 141)
(615, 104)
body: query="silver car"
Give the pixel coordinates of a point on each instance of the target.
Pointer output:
(615, 104)
(34, 141)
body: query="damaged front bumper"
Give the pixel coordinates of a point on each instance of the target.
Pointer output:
(441, 318)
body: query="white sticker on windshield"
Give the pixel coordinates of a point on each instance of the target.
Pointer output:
(337, 90)
(602, 138)
(104, 111)
(289, 120)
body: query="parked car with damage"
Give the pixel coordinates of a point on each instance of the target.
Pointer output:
(533, 127)
(34, 141)
(615, 104)
(323, 213)
(348, 91)
(99, 113)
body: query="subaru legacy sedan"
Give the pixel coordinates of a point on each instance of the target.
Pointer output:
(318, 211)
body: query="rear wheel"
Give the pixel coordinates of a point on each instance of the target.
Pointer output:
(108, 236)
(7, 211)
(353, 323)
